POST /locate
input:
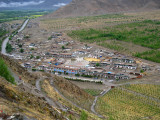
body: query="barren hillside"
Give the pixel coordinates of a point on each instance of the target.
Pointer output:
(25, 100)
(95, 7)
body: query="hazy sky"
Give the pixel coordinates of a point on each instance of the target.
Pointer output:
(56, 3)
(20, 4)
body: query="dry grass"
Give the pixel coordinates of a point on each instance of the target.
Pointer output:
(13, 100)
(55, 96)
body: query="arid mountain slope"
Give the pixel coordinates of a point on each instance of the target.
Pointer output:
(96, 7)
(43, 101)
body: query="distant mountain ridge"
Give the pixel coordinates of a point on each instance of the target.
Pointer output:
(95, 7)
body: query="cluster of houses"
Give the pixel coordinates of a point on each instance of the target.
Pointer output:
(101, 69)
(60, 56)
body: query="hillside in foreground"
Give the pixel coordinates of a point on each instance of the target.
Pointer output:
(32, 95)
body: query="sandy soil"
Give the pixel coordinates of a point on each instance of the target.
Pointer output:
(88, 85)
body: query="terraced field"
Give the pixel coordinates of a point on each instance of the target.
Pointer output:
(124, 104)
(145, 89)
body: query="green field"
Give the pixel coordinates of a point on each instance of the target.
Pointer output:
(145, 89)
(17, 15)
(152, 55)
(119, 104)
(143, 33)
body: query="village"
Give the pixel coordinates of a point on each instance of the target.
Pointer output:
(64, 57)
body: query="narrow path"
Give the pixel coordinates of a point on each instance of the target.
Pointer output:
(51, 82)
(51, 102)
(38, 86)
(55, 104)
(95, 101)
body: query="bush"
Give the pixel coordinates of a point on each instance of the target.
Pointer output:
(21, 50)
(9, 48)
(83, 116)
(50, 38)
(97, 64)
(20, 45)
(31, 56)
(4, 72)
(77, 75)
(37, 57)
(63, 47)
(141, 71)
(33, 69)
(88, 76)
(32, 48)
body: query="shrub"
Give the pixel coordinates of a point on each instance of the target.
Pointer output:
(63, 47)
(50, 38)
(83, 116)
(77, 75)
(4, 72)
(37, 57)
(21, 50)
(9, 48)
(20, 45)
(33, 69)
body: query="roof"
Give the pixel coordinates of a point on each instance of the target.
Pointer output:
(92, 59)
(67, 67)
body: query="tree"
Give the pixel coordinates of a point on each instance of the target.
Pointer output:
(141, 71)
(32, 48)
(9, 48)
(50, 38)
(31, 56)
(37, 57)
(20, 45)
(63, 47)
(21, 50)
(97, 64)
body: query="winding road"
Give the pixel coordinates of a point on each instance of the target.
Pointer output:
(4, 44)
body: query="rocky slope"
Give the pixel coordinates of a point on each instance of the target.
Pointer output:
(95, 7)
(14, 100)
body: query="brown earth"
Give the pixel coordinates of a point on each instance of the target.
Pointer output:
(13, 100)
(73, 92)
(97, 7)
